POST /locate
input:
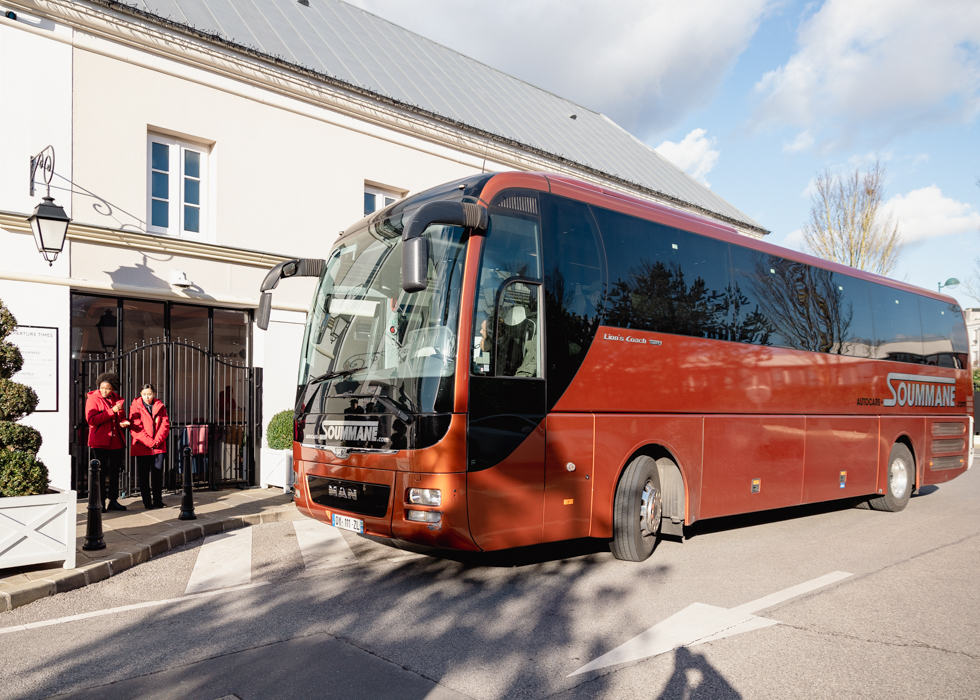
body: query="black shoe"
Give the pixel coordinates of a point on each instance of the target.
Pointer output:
(115, 505)
(159, 504)
(148, 506)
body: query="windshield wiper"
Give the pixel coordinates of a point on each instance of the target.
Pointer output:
(299, 407)
(331, 375)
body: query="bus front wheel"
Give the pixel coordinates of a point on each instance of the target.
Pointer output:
(901, 480)
(637, 511)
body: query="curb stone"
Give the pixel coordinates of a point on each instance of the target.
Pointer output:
(60, 580)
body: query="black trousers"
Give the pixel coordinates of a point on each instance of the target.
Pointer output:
(111, 462)
(150, 471)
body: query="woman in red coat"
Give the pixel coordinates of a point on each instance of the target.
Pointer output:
(106, 418)
(151, 425)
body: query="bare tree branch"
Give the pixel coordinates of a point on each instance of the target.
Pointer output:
(847, 222)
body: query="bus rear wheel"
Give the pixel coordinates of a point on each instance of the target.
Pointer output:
(901, 479)
(637, 511)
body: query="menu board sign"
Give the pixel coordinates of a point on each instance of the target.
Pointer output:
(39, 346)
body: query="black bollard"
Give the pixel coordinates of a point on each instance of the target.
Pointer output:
(187, 502)
(93, 529)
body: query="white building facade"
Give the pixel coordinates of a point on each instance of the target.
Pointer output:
(191, 163)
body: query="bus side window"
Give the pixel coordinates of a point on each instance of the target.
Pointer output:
(574, 287)
(517, 340)
(943, 338)
(511, 249)
(898, 330)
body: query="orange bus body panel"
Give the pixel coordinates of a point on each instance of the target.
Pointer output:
(751, 463)
(568, 493)
(836, 444)
(505, 501)
(618, 437)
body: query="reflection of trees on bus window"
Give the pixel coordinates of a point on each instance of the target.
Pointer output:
(805, 307)
(666, 280)
(574, 288)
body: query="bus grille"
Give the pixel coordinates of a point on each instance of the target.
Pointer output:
(528, 205)
(351, 496)
(944, 429)
(947, 463)
(948, 446)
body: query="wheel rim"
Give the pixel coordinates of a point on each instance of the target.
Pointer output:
(650, 510)
(898, 478)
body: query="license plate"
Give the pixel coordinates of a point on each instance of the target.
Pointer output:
(346, 523)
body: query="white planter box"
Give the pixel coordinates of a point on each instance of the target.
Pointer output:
(37, 529)
(276, 469)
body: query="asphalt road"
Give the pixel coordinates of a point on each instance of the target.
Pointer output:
(893, 611)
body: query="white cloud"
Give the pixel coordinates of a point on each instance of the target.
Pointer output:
(926, 213)
(794, 239)
(878, 65)
(694, 154)
(643, 64)
(802, 142)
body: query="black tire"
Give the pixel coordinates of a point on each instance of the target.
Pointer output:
(637, 511)
(900, 481)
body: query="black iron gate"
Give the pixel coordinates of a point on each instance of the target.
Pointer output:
(210, 401)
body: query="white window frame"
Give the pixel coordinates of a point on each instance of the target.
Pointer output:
(177, 149)
(381, 193)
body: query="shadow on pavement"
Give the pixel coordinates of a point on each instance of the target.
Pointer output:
(696, 679)
(500, 623)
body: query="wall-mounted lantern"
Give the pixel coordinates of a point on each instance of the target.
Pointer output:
(108, 331)
(49, 221)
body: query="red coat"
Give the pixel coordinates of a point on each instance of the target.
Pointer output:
(103, 423)
(143, 443)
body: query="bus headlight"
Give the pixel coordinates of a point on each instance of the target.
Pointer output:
(425, 497)
(424, 516)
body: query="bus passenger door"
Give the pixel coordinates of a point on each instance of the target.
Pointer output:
(568, 476)
(506, 430)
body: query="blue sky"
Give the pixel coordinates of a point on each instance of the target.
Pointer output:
(755, 97)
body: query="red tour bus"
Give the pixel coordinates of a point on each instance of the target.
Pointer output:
(519, 358)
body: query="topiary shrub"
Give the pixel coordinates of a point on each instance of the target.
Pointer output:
(280, 433)
(976, 379)
(21, 472)
(21, 438)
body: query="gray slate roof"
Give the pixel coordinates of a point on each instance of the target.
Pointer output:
(346, 43)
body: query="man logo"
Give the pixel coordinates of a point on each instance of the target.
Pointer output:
(341, 492)
(916, 390)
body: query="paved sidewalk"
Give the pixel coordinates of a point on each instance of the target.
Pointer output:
(135, 535)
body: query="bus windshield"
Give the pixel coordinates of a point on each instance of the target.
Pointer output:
(368, 342)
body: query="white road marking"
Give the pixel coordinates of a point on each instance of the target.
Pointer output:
(124, 608)
(224, 560)
(322, 545)
(700, 623)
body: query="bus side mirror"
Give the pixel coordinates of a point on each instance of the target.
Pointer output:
(264, 311)
(304, 267)
(415, 249)
(415, 264)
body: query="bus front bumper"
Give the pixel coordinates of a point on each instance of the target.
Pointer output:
(378, 502)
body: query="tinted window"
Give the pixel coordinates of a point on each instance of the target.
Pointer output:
(898, 331)
(666, 280)
(510, 250)
(805, 307)
(574, 288)
(944, 341)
